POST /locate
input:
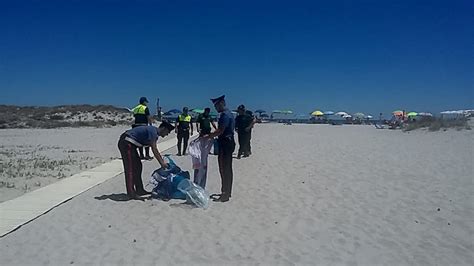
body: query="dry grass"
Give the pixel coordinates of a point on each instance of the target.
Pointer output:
(63, 116)
(436, 124)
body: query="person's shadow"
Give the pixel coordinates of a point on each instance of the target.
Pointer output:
(114, 197)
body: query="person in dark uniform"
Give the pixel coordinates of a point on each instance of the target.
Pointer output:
(225, 134)
(183, 125)
(204, 122)
(243, 125)
(129, 142)
(142, 118)
(254, 121)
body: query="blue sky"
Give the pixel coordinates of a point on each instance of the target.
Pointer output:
(356, 56)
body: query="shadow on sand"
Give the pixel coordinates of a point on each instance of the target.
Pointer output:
(117, 197)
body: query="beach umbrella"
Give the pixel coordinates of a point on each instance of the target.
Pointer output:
(369, 117)
(341, 113)
(358, 115)
(410, 114)
(397, 113)
(282, 111)
(264, 116)
(197, 111)
(347, 116)
(425, 114)
(260, 111)
(328, 113)
(174, 111)
(317, 113)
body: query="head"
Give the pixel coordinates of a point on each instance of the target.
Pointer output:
(241, 109)
(165, 128)
(143, 100)
(207, 111)
(219, 103)
(185, 110)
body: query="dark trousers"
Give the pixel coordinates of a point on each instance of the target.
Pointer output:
(244, 143)
(132, 166)
(183, 137)
(226, 148)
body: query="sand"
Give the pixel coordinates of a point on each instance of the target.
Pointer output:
(33, 158)
(309, 195)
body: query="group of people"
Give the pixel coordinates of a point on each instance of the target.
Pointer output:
(144, 134)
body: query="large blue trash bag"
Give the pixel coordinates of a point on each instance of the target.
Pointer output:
(194, 193)
(166, 182)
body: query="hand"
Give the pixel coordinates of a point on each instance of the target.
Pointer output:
(165, 165)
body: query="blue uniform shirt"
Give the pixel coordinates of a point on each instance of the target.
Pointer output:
(226, 121)
(145, 135)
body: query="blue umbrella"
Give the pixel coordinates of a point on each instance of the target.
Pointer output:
(174, 111)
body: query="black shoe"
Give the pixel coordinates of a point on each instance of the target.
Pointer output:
(220, 197)
(224, 199)
(143, 193)
(178, 154)
(149, 158)
(142, 158)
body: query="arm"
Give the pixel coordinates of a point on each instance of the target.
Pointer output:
(151, 120)
(192, 127)
(251, 124)
(158, 155)
(216, 133)
(214, 125)
(176, 124)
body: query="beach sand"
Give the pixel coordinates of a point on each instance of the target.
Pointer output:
(309, 195)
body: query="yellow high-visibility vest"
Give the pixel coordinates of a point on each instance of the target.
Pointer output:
(183, 118)
(139, 109)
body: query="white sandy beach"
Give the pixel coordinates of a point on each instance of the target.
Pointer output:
(309, 195)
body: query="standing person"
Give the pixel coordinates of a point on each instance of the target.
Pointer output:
(142, 118)
(129, 142)
(204, 122)
(243, 125)
(183, 124)
(200, 148)
(225, 134)
(254, 121)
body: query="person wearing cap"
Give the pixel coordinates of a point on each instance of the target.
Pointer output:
(142, 118)
(244, 123)
(129, 142)
(225, 135)
(183, 125)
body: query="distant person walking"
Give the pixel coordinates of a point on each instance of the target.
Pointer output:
(244, 123)
(225, 134)
(129, 142)
(183, 127)
(142, 118)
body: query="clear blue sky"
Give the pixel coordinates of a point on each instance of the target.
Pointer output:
(358, 56)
